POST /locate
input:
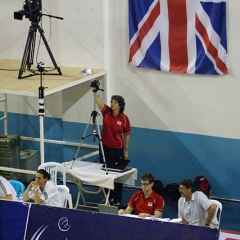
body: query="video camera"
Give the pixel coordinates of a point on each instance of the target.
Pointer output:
(95, 85)
(31, 9)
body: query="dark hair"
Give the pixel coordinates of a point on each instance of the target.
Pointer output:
(147, 176)
(188, 183)
(120, 101)
(44, 173)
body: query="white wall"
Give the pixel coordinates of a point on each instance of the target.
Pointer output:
(207, 105)
(77, 40)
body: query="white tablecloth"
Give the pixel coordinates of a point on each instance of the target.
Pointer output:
(92, 173)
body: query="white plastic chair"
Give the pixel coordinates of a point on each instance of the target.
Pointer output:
(218, 213)
(53, 168)
(64, 192)
(217, 216)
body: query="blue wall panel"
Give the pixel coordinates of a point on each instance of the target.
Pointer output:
(170, 156)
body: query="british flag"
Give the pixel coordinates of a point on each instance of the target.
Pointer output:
(183, 36)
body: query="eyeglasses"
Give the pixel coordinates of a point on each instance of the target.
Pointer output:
(144, 184)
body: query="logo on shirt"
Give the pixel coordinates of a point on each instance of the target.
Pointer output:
(119, 122)
(150, 204)
(45, 195)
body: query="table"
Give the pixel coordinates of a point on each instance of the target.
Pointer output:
(92, 173)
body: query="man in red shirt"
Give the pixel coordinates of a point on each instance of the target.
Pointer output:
(146, 202)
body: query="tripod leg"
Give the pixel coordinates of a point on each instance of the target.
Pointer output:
(49, 50)
(94, 134)
(32, 47)
(84, 134)
(101, 145)
(28, 54)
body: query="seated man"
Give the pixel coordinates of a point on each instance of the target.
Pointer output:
(6, 190)
(194, 205)
(146, 202)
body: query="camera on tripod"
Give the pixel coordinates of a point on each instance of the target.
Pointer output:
(40, 66)
(31, 9)
(95, 85)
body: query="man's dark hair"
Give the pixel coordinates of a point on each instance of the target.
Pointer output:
(120, 101)
(188, 183)
(147, 177)
(44, 173)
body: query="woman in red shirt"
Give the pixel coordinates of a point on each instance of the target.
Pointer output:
(115, 136)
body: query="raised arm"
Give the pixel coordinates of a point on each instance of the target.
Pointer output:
(98, 101)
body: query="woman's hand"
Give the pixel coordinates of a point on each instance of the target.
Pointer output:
(34, 184)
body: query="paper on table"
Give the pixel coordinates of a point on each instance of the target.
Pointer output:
(160, 219)
(176, 220)
(130, 215)
(147, 218)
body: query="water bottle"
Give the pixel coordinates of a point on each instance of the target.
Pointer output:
(20, 197)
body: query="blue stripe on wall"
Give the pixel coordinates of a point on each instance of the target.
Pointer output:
(170, 156)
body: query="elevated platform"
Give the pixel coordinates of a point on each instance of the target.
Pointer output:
(71, 76)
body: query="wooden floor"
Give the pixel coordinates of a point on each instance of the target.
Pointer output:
(71, 76)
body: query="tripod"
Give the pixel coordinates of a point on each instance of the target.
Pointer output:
(93, 117)
(28, 55)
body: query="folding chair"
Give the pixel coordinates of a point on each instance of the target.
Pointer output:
(217, 215)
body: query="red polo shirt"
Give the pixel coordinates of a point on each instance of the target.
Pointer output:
(114, 128)
(141, 204)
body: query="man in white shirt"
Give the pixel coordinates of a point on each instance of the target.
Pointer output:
(194, 206)
(6, 190)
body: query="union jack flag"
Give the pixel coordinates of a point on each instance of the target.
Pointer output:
(184, 36)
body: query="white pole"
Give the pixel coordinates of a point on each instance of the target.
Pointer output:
(41, 138)
(5, 116)
(41, 110)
